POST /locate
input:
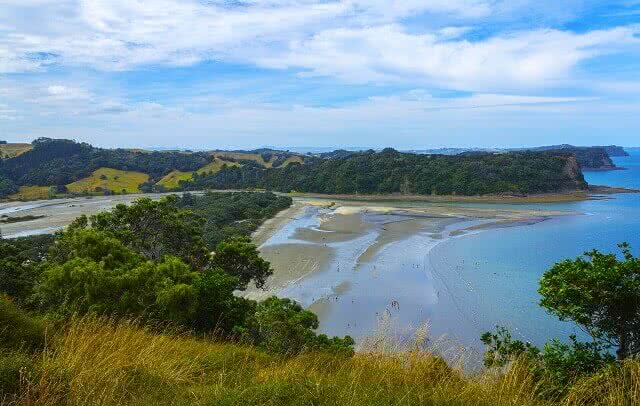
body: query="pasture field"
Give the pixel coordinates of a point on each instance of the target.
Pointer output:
(258, 158)
(112, 179)
(13, 150)
(173, 178)
(216, 165)
(31, 193)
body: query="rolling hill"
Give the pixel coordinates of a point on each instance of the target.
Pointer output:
(108, 180)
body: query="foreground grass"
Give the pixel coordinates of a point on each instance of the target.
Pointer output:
(98, 362)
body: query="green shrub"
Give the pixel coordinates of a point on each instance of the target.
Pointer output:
(17, 329)
(13, 368)
(283, 326)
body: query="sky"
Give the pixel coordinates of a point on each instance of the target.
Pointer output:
(407, 74)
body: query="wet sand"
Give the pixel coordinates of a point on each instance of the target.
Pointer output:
(361, 264)
(321, 236)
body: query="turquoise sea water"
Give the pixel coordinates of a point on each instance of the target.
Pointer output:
(503, 266)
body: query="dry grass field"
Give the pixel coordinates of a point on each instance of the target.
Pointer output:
(112, 179)
(96, 361)
(13, 150)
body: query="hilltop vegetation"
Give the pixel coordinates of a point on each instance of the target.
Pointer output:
(393, 172)
(109, 360)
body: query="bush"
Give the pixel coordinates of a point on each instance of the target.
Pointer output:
(555, 369)
(17, 329)
(14, 367)
(283, 326)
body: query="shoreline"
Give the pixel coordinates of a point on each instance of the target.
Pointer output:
(591, 193)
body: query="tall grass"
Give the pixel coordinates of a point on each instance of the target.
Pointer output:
(97, 361)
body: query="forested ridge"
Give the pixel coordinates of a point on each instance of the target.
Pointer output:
(391, 171)
(58, 163)
(589, 157)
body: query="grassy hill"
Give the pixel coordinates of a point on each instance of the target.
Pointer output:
(97, 361)
(172, 180)
(216, 165)
(267, 159)
(13, 150)
(31, 193)
(109, 179)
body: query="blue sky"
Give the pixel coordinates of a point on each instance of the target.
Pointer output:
(323, 73)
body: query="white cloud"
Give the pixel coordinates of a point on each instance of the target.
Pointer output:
(61, 92)
(354, 40)
(525, 59)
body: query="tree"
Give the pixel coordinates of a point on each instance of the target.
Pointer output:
(154, 229)
(19, 260)
(7, 186)
(284, 327)
(239, 257)
(101, 275)
(601, 294)
(219, 310)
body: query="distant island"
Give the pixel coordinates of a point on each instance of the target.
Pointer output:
(50, 168)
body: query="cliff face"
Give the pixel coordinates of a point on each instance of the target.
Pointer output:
(573, 172)
(615, 150)
(589, 158)
(594, 158)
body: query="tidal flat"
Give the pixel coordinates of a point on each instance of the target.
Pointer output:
(363, 266)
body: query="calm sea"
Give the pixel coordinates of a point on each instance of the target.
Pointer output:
(502, 267)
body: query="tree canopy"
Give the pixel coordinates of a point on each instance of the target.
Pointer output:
(601, 293)
(391, 171)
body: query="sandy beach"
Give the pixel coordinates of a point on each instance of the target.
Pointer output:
(306, 238)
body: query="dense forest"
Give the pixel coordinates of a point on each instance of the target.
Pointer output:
(615, 150)
(391, 171)
(232, 214)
